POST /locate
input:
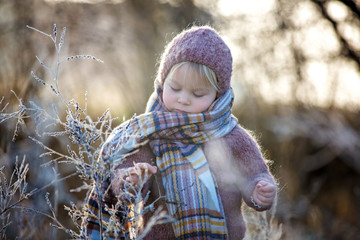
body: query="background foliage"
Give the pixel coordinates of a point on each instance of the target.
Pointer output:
(296, 79)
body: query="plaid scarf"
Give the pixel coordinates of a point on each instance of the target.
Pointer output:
(176, 139)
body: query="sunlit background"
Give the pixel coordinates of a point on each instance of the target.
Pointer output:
(296, 80)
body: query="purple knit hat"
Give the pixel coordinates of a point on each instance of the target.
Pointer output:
(201, 45)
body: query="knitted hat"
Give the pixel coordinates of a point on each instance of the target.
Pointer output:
(201, 45)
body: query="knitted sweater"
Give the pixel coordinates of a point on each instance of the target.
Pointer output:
(237, 164)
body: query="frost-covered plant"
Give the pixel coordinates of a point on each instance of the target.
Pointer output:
(262, 225)
(87, 138)
(13, 191)
(19, 114)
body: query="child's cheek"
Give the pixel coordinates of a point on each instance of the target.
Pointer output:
(168, 99)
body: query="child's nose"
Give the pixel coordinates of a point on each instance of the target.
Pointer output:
(183, 98)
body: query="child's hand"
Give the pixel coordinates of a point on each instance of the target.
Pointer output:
(264, 193)
(140, 171)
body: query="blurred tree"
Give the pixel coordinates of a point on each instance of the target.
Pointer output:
(288, 52)
(348, 47)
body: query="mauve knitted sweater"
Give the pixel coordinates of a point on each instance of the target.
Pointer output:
(237, 164)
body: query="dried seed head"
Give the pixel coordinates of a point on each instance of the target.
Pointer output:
(38, 79)
(54, 90)
(84, 57)
(62, 37)
(55, 30)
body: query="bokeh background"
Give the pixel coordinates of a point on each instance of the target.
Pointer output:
(296, 80)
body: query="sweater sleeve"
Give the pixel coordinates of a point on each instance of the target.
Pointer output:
(248, 159)
(238, 165)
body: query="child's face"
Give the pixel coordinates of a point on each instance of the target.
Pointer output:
(187, 92)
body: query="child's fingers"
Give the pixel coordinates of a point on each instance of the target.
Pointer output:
(266, 187)
(141, 166)
(263, 200)
(267, 194)
(145, 166)
(132, 171)
(132, 179)
(153, 169)
(140, 170)
(133, 174)
(263, 183)
(264, 193)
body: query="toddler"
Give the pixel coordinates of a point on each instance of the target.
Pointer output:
(205, 162)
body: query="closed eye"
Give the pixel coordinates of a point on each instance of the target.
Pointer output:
(198, 95)
(175, 89)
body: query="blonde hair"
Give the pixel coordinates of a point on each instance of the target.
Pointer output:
(204, 71)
